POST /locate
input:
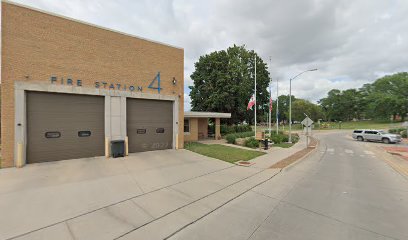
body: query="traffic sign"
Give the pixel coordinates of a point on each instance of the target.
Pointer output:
(307, 122)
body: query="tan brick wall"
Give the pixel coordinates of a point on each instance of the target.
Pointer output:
(36, 46)
(202, 127)
(193, 135)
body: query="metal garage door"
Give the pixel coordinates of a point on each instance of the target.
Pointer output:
(64, 126)
(149, 124)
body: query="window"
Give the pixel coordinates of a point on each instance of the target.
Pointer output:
(370, 132)
(159, 130)
(141, 131)
(358, 131)
(52, 134)
(186, 125)
(84, 133)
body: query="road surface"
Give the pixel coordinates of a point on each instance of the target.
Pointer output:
(343, 191)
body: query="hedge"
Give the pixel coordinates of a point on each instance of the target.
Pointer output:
(280, 138)
(231, 138)
(402, 131)
(276, 138)
(396, 130)
(227, 129)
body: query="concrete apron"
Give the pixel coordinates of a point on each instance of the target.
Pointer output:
(146, 196)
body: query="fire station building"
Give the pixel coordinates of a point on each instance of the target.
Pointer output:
(69, 88)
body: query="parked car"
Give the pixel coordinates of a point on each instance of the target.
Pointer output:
(376, 135)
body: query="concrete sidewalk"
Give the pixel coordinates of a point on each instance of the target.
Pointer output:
(275, 154)
(144, 196)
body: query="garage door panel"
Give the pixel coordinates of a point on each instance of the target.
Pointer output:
(145, 120)
(67, 114)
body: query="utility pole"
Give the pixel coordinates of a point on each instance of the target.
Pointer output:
(290, 110)
(290, 101)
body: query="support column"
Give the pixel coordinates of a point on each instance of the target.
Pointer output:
(20, 128)
(115, 121)
(217, 129)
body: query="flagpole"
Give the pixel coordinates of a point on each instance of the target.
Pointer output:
(255, 95)
(270, 104)
(277, 105)
(270, 100)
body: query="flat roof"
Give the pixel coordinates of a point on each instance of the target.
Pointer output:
(206, 115)
(87, 23)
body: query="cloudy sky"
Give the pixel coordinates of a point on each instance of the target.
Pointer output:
(351, 42)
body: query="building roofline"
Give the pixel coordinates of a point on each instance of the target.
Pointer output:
(206, 115)
(87, 23)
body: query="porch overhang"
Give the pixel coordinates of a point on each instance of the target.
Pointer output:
(206, 115)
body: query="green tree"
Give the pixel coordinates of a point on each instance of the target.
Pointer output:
(224, 82)
(331, 105)
(388, 96)
(300, 107)
(283, 107)
(343, 105)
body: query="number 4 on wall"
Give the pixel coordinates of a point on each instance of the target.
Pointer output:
(157, 78)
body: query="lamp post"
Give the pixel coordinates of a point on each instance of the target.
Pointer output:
(290, 101)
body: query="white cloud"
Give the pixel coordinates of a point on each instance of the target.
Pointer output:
(187, 102)
(351, 42)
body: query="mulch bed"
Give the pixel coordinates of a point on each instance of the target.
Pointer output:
(298, 155)
(244, 163)
(396, 149)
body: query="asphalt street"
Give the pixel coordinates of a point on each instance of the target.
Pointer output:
(342, 191)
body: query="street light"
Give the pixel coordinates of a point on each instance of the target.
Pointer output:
(290, 101)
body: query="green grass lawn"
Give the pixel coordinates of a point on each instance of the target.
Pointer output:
(222, 152)
(281, 128)
(362, 125)
(344, 125)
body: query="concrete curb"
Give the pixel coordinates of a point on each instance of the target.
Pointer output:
(303, 157)
(391, 161)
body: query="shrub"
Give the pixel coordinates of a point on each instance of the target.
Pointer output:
(231, 138)
(285, 138)
(244, 134)
(295, 138)
(280, 138)
(251, 143)
(226, 129)
(277, 138)
(401, 131)
(396, 130)
(243, 128)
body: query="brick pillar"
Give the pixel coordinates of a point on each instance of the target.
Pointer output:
(217, 129)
